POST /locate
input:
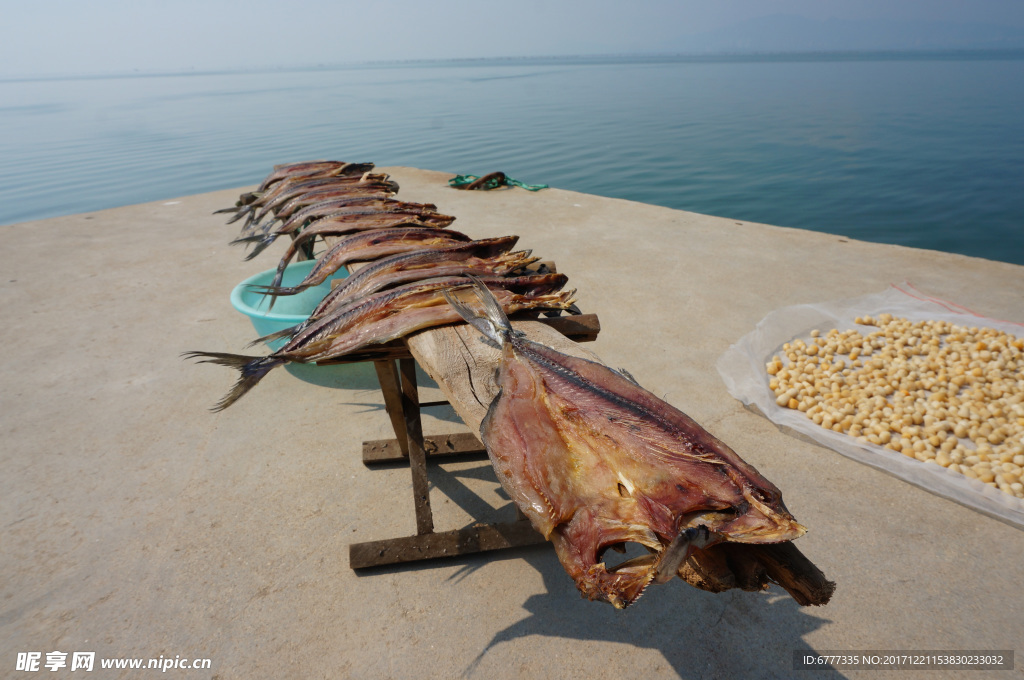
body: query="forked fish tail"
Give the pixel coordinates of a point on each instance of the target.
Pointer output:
(262, 243)
(493, 322)
(273, 292)
(251, 369)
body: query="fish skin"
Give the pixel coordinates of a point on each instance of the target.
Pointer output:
(484, 257)
(366, 246)
(383, 317)
(594, 461)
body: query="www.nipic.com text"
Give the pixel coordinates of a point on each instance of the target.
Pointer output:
(86, 661)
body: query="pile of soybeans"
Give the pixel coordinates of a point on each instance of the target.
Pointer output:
(935, 391)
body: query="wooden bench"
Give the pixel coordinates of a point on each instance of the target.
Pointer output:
(464, 370)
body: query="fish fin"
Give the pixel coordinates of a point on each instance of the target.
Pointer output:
(627, 375)
(251, 370)
(277, 335)
(492, 323)
(474, 319)
(492, 308)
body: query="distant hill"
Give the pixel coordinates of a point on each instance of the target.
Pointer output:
(792, 33)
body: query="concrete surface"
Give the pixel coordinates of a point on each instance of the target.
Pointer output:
(138, 524)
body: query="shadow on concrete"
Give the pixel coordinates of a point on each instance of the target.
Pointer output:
(363, 376)
(734, 634)
(338, 376)
(701, 635)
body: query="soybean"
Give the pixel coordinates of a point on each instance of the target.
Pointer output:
(939, 392)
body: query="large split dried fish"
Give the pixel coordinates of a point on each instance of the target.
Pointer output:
(363, 247)
(383, 317)
(595, 462)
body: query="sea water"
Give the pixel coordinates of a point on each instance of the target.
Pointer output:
(923, 150)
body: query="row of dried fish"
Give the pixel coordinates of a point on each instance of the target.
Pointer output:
(411, 259)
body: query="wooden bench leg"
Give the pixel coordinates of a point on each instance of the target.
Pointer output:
(401, 397)
(387, 376)
(417, 456)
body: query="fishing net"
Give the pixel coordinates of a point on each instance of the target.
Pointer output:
(491, 181)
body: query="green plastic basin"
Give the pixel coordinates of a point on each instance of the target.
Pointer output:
(288, 309)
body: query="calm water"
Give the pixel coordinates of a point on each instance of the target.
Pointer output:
(926, 152)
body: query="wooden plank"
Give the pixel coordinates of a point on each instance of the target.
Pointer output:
(464, 367)
(438, 446)
(473, 539)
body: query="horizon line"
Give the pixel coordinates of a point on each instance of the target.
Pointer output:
(801, 55)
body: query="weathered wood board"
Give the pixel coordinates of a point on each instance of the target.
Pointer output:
(465, 368)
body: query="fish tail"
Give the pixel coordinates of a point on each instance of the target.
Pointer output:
(255, 230)
(244, 238)
(251, 370)
(262, 243)
(519, 260)
(239, 214)
(279, 274)
(493, 323)
(274, 291)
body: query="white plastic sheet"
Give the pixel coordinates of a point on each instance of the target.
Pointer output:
(742, 367)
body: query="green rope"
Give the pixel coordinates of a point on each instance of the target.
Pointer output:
(493, 183)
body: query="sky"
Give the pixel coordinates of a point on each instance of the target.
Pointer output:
(64, 37)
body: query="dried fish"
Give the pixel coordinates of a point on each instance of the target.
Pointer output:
(342, 205)
(331, 219)
(294, 172)
(287, 192)
(383, 317)
(363, 247)
(486, 257)
(330, 193)
(595, 462)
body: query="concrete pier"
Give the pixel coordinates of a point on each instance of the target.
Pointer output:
(137, 524)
